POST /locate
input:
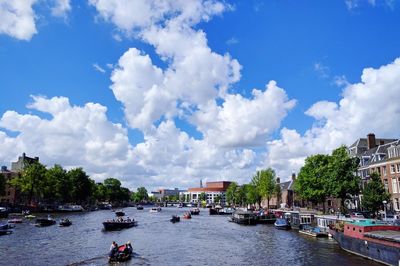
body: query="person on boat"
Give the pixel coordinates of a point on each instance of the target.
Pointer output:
(128, 247)
(113, 250)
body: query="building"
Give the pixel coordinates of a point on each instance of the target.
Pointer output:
(383, 157)
(286, 198)
(12, 195)
(214, 191)
(161, 194)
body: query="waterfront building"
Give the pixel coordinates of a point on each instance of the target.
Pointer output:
(286, 197)
(12, 195)
(214, 191)
(383, 157)
(162, 193)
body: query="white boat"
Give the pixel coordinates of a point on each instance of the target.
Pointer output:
(70, 208)
(155, 209)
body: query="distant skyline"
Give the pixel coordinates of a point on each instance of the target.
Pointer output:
(164, 93)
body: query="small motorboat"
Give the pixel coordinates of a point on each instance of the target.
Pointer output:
(124, 253)
(3, 212)
(119, 213)
(175, 219)
(45, 221)
(5, 232)
(282, 224)
(65, 222)
(4, 226)
(139, 207)
(30, 216)
(15, 221)
(119, 224)
(187, 215)
(155, 209)
(195, 211)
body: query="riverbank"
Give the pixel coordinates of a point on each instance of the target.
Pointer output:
(203, 240)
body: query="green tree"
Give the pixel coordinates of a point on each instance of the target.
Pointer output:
(217, 199)
(231, 193)
(2, 185)
(343, 181)
(312, 181)
(30, 182)
(374, 194)
(251, 194)
(81, 185)
(265, 181)
(142, 194)
(113, 187)
(100, 193)
(202, 196)
(59, 186)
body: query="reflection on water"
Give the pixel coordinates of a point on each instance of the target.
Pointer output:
(203, 240)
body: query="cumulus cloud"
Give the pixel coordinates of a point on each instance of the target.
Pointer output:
(61, 8)
(367, 106)
(353, 4)
(73, 136)
(17, 19)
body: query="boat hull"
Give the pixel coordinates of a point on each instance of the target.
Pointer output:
(385, 254)
(45, 222)
(110, 226)
(244, 221)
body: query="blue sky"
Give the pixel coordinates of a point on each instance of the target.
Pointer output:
(316, 52)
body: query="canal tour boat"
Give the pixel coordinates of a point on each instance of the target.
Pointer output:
(244, 217)
(111, 225)
(370, 239)
(45, 221)
(282, 224)
(195, 211)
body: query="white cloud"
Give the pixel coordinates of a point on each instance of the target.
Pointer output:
(244, 122)
(353, 4)
(17, 19)
(61, 8)
(232, 41)
(368, 106)
(321, 69)
(98, 68)
(73, 136)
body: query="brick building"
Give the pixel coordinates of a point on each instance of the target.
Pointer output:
(383, 157)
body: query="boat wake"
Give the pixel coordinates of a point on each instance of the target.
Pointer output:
(103, 260)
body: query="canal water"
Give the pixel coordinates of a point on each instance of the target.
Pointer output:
(203, 240)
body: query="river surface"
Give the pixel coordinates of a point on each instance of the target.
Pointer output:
(203, 240)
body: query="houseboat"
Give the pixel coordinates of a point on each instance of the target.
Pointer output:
(298, 219)
(370, 239)
(265, 218)
(244, 217)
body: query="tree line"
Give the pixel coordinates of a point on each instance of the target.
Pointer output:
(322, 176)
(37, 184)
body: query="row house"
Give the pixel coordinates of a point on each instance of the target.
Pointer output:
(383, 157)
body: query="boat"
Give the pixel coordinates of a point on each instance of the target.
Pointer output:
(65, 222)
(187, 215)
(299, 219)
(119, 213)
(175, 219)
(30, 216)
(124, 253)
(265, 218)
(369, 239)
(70, 208)
(155, 209)
(139, 207)
(3, 212)
(195, 211)
(119, 224)
(313, 231)
(282, 224)
(226, 211)
(5, 232)
(215, 210)
(45, 221)
(189, 205)
(15, 221)
(244, 217)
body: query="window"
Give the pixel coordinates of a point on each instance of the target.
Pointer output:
(396, 204)
(398, 168)
(384, 170)
(395, 188)
(392, 170)
(385, 184)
